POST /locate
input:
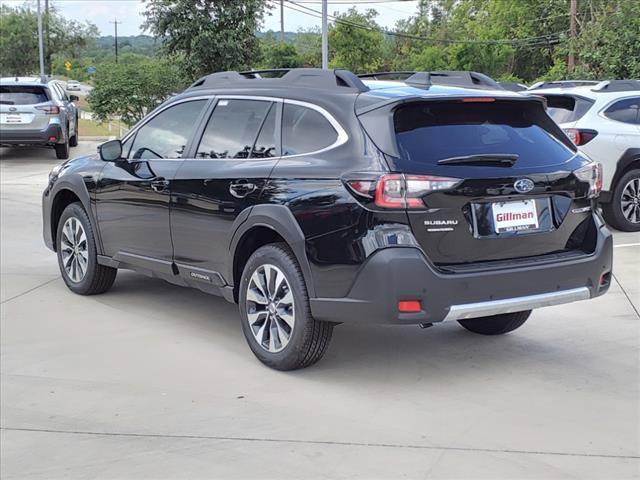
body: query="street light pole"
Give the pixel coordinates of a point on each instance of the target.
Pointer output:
(325, 36)
(40, 42)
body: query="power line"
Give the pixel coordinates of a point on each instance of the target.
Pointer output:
(517, 42)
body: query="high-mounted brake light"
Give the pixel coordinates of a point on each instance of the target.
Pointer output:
(49, 109)
(580, 136)
(478, 100)
(591, 173)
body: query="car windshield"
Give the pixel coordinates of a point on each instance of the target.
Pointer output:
(22, 95)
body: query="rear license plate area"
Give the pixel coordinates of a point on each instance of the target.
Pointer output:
(512, 217)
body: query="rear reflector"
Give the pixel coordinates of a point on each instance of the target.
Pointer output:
(409, 306)
(53, 139)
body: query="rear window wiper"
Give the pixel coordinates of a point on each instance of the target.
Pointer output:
(487, 159)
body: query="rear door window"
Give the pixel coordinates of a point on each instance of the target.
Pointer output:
(22, 95)
(305, 130)
(233, 127)
(427, 132)
(567, 108)
(626, 111)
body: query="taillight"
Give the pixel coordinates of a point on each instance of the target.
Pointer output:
(580, 136)
(397, 190)
(591, 173)
(49, 109)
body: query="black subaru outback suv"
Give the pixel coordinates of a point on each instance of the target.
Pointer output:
(320, 197)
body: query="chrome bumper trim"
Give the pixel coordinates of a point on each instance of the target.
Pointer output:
(517, 304)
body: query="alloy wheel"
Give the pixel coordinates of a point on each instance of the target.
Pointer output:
(74, 250)
(270, 308)
(630, 201)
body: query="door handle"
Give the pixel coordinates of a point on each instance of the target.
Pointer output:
(241, 188)
(159, 184)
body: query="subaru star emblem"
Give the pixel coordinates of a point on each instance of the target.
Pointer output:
(523, 185)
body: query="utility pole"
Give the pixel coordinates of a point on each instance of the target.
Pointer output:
(325, 36)
(281, 21)
(115, 24)
(571, 61)
(40, 42)
(46, 34)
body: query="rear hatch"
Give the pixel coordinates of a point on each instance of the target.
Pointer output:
(506, 173)
(24, 107)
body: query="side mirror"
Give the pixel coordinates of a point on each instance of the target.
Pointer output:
(110, 151)
(74, 98)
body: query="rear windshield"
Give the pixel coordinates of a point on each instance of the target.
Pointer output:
(565, 108)
(22, 95)
(432, 131)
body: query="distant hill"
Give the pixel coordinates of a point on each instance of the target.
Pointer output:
(140, 44)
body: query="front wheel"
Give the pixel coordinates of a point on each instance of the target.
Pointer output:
(77, 254)
(623, 212)
(496, 324)
(275, 311)
(73, 141)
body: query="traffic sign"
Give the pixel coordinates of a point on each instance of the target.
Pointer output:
(91, 70)
(67, 65)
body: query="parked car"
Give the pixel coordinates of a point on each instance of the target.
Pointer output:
(37, 112)
(604, 122)
(73, 85)
(316, 199)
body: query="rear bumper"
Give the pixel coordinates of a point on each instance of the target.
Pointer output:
(395, 274)
(32, 137)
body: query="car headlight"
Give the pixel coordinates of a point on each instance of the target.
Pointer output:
(53, 174)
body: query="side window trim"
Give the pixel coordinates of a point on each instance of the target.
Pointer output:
(275, 105)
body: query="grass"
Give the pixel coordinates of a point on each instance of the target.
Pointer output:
(92, 129)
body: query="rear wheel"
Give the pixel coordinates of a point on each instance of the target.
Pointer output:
(623, 212)
(73, 141)
(496, 324)
(77, 254)
(62, 149)
(276, 317)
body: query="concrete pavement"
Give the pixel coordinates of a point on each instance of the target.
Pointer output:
(156, 381)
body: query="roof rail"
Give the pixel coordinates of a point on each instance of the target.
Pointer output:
(617, 86)
(562, 84)
(452, 78)
(513, 86)
(295, 77)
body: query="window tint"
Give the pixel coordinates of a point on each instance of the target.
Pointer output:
(625, 111)
(22, 95)
(565, 108)
(305, 130)
(432, 131)
(166, 134)
(233, 128)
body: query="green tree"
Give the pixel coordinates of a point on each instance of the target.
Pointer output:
(356, 41)
(281, 55)
(19, 39)
(308, 44)
(209, 35)
(133, 87)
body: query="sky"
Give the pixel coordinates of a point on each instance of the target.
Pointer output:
(129, 12)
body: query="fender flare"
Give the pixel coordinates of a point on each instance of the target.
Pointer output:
(279, 219)
(76, 185)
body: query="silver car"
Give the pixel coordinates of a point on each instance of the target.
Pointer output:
(37, 112)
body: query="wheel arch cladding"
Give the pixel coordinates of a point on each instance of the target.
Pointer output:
(628, 161)
(66, 194)
(267, 224)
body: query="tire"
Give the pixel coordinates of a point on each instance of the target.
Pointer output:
(96, 278)
(496, 324)
(73, 141)
(625, 217)
(286, 337)
(62, 149)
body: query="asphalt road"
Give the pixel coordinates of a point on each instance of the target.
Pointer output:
(156, 381)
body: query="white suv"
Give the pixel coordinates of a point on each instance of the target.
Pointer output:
(603, 120)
